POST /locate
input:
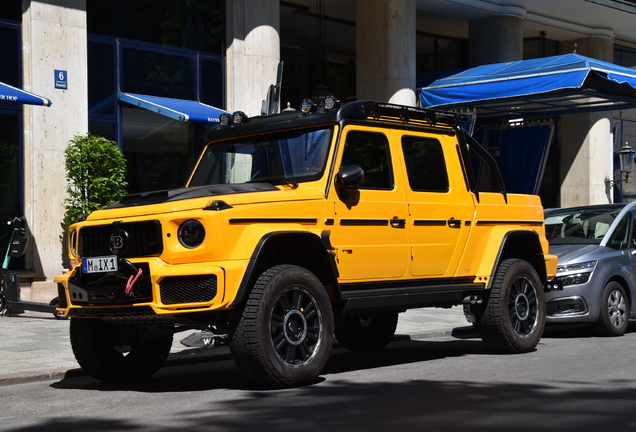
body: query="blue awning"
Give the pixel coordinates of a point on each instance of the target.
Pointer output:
(178, 109)
(549, 86)
(15, 95)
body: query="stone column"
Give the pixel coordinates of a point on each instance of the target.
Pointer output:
(586, 140)
(253, 52)
(53, 38)
(498, 39)
(385, 51)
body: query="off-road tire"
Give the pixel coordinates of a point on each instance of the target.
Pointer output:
(614, 314)
(512, 319)
(284, 333)
(93, 343)
(370, 332)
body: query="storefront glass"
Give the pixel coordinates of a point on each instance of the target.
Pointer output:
(157, 48)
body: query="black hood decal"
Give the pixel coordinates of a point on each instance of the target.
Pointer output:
(168, 195)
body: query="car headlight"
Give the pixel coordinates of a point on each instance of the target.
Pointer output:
(72, 240)
(191, 233)
(568, 268)
(578, 273)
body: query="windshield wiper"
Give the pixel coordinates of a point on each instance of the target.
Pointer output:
(285, 180)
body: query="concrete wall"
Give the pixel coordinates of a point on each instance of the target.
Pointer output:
(586, 140)
(385, 51)
(253, 53)
(496, 40)
(53, 38)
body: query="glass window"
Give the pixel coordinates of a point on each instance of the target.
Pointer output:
(101, 79)
(10, 178)
(10, 55)
(425, 165)
(159, 151)
(11, 9)
(585, 225)
(295, 156)
(619, 239)
(158, 73)
(370, 151)
(211, 82)
(105, 129)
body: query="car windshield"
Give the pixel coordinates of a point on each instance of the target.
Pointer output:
(579, 226)
(282, 158)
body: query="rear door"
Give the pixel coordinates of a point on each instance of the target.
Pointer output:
(440, 206)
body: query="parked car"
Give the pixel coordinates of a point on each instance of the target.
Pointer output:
(596, 246)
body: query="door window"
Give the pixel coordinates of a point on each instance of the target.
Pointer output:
(370, 151)
(425, 165)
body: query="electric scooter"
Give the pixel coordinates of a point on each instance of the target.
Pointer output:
(10, 279)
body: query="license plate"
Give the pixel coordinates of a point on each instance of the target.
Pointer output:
(99, 264)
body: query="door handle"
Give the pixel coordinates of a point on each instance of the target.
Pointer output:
(454, 223)
(398, 223)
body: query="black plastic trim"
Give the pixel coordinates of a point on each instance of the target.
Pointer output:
(273, 220)
(364, 222)
(509, 222)
(397, 299)
(250, 276)
(421, 222)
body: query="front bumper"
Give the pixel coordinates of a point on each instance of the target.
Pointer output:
(149, 287)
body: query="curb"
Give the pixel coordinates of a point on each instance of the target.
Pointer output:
(178, 359)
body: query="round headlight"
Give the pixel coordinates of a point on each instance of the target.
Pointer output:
(307, 106)
(191, 233)
(225, 119)
(73, 242)
(239, 117)
(330, 102)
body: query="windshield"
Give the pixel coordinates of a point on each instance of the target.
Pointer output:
(281, 158)
(579, 226)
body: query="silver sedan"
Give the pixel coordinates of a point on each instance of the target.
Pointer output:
(596, 277)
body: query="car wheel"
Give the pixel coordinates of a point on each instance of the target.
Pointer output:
(106, 352)
(613, 318)
(513, 318)
(284, 333)
(366, 332)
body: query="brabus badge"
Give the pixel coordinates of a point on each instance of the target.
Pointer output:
(119, 241)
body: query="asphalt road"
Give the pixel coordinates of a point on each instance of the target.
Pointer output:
(574, 381)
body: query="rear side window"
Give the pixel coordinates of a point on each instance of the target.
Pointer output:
(425, 165)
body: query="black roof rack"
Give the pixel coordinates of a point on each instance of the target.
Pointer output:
(359, 110)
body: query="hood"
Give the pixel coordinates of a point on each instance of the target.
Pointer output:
(572, 252)
(184, 199)
(164, 196)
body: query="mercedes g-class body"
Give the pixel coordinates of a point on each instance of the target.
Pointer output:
(300, 226)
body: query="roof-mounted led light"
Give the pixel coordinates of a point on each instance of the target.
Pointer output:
(239, 117)
(225, 119)
(330, 102)
(307, 106)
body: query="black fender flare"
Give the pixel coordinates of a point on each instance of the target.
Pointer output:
(323, 263)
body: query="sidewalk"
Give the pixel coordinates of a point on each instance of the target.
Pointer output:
(35, 346)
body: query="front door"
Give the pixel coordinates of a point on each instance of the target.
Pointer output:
(370, 233)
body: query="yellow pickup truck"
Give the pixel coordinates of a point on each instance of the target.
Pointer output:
(299, 227)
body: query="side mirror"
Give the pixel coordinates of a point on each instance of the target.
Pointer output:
(351, 175)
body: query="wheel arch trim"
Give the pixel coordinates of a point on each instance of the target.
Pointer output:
(316, 245)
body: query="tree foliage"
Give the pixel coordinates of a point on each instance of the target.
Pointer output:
(95, 172)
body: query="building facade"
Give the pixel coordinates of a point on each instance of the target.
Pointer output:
(226, 54)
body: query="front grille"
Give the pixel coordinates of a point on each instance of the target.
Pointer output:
(187, 289)
(144, 239)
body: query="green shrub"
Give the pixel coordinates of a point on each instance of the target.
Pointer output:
(95, 172)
